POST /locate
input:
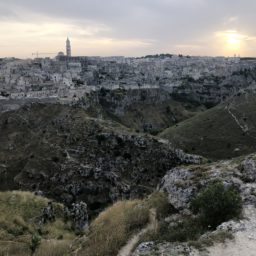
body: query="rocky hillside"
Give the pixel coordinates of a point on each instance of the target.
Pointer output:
(153, 110)
(70, 156)
(225, 131)
(140, 219)
(102, 150)
(169, 225)
(182, 185)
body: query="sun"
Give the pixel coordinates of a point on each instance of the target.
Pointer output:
(233, 39)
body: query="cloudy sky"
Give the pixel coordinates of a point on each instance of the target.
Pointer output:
(128, 27)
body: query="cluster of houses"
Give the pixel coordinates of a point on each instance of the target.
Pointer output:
(70, 78)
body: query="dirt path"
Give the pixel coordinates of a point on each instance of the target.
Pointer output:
(128, 248)
(244, 243)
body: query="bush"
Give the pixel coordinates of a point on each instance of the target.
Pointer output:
(217, 204)
(35, 242)
(187, 228)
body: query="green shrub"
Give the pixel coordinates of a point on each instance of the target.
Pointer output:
(35, 242)
(186, 229)
(217, 204)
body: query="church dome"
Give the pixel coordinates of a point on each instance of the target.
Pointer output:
(60, 54)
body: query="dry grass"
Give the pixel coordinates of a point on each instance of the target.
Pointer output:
(23, 204)
(19, 214)
(54, 248)
(14, 249)
(107, 234)
(113, 227)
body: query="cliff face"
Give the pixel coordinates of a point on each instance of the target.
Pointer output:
(153, 101)
(213, 90)
(69, 156)
(171, 103)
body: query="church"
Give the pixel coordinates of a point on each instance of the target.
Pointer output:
(68, 50)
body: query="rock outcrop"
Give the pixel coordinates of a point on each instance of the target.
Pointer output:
(183, 183)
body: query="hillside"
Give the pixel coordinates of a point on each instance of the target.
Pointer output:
(172, 229)
(69, 156)
(20, 231)
(225, 131)
(176, 229)
(149, 111)
(180, 234)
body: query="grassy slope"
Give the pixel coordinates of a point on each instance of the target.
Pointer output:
(114, 226)
(19, 213)
(215, 134)
(133, 110)
(160, 115)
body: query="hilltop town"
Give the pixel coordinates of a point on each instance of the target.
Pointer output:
(67, 79)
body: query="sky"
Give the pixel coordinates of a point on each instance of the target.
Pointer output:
(128, 27)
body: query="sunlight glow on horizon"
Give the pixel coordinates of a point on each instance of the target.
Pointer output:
(23, 38)
(129, 28)
(233, 42)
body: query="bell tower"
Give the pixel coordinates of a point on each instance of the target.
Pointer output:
(68, 48)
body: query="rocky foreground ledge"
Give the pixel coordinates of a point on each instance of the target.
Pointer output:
(232, 238)
(242, 242)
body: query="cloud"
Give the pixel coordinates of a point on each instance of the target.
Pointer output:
(151, 26)
(233, 36)
(232, 19)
